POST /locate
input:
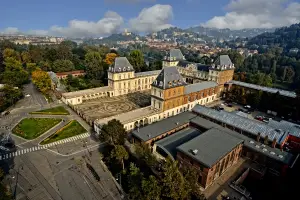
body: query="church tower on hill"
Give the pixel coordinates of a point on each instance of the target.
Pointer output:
(167, 90)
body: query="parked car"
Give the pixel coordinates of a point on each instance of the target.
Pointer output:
(230, 105)
(258, 117)
(247, 106)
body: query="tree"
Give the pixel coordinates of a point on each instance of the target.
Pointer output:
(12, 64)
(15, 78)
(110, 58)
(113, 132)
(94, 65)
(174, 185)
(25, 57)
(10, 97)
(42, 80)
(151, 188)
(62, 66)
(136, 59)
(11, 53)
(135, 178)
(120, 154)
(143, 152)
(31, 67)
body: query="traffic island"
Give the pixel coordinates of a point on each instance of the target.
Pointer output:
(31, 128)
(59, 110)
(73, 128)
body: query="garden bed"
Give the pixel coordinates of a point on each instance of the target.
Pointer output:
(59, 110)
(31, 128)
(73, 128)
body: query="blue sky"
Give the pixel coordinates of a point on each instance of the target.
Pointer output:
(90, 17)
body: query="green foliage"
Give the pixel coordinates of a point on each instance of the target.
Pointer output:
(143, 152)
(80, 83)
(113, 132)
(94, 65)
(151, 188)
(31, 128)
(136, 59)
(59, 110)
(62, 66)
(10, 96)
(261, 79)
(73, 128)
(119, 153)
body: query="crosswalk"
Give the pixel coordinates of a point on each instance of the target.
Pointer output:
(70, 139)
(42, 147)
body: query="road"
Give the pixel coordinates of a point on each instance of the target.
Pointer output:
(57, 172)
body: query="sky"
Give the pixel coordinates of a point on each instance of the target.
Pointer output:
(96, 18)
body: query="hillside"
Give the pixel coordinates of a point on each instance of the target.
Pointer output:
(285, 37)
(227, 33)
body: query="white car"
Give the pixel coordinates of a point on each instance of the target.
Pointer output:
(27, 95)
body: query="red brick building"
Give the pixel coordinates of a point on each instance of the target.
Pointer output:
(63, 75)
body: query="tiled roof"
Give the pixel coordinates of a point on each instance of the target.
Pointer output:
(169, 77)
(70, 73)
(121, 64)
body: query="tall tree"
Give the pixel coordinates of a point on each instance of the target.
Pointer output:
(151, 188)
(120, 154)
(136, 59)
(113, 132)
(62, 66)
(135, 178)
(42, 80)
(174, 185)
(94, 65)
(110, 58)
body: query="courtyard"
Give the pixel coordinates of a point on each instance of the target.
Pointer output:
(109, 106)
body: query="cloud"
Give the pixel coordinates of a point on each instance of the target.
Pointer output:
(257, 14)
(110, 23)
(152, 19)
(11, 30)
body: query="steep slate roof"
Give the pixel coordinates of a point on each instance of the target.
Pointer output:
(212, 145)
(169, 77)
(121, 64)
(177, 54)
(199, 66)
(199, 86)
(223, 60)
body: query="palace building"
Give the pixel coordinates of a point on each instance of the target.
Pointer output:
(123, 80)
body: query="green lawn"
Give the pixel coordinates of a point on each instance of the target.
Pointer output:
(71, 129)
(31, 128)
(59, 110)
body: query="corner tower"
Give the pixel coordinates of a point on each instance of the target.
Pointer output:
(119, 74)
(222, 70)
(167, 90)
(172, 58)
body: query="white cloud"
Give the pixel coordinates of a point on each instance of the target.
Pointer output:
(257, 14)
(152, 19)
(11, 30)
(110, 23)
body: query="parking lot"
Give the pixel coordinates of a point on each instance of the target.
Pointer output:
(245, 111)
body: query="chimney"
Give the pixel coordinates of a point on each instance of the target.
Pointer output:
(195, 151)
(177, 123)
(274, 143)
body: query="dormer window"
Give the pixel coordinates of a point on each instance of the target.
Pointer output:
(161, 84)
(128, 68)
(170, 83)
(124, 69)
(119, 69)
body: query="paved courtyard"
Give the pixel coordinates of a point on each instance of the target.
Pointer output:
(110, 106)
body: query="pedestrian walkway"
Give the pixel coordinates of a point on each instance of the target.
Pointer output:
(42, 147)
(20, 152)
(70, 139)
